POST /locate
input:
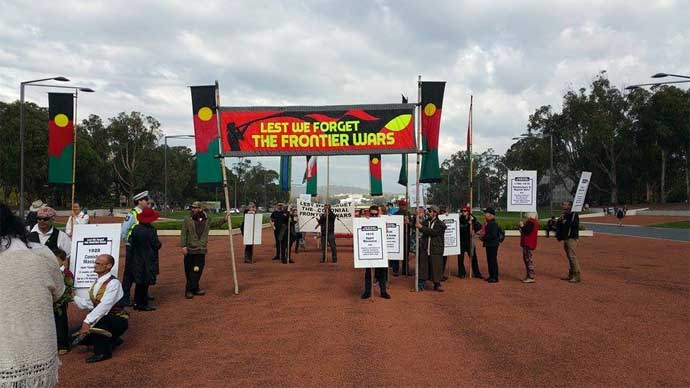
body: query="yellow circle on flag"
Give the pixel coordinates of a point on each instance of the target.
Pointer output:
(61, 120)
(375, 160)
(430, 109)
(205, 113)
(196, 269)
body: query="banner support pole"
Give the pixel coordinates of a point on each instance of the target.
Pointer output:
(289, 231)
(472, 252)
(74, 160)
(227, 193)
(417, 220)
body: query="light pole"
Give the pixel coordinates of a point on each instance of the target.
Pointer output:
(550, 135)
(165, 165)
(21, 136)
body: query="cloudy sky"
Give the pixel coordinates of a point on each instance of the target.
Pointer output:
(513, 56)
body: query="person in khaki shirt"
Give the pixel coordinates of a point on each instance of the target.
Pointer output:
(194, 244)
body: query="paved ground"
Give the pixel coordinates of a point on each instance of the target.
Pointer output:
(305, 325)
(633, 220)
(642, 231)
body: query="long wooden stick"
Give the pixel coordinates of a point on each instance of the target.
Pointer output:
(469, 152)
(74, 161)
(417, 220)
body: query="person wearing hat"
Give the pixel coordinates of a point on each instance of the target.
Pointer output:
(194, 237)
(394, 264)
(144, 257)
(279, 221)
(491, 237)
(45, 234)
(431, 245)
(381, 274)
(468, 227)
(141, 202)
(31, 215)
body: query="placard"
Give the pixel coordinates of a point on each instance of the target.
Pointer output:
(309, 214)
(394, 236)
(369, 243)
(90, 241)
(522, 191)
(252, 228)
(305, 197)
(451, 238)
(581, 193)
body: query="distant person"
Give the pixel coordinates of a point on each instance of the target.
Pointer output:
(46, 234)
(279, 221)
(491, 236)
(620, 214)
(529, 231)
(248, 248)
(468, 227)
(31, 215)
(394, 264)
(79, 216)
(431, 245)
(568, 225)
(551, 226)
(60, 306)
(327, 223)
(381, 274)
(141, 201)
(104, 312)
(145, 246)
(194, 242)
(295, 235)
(443, 211)
(30, 283)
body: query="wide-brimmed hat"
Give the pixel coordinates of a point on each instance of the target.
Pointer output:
(35, 205)
(434, 208)
(45, 212)
(147, 216)
(490, 210)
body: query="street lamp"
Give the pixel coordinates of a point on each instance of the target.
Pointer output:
(550, 135)
(165, 165)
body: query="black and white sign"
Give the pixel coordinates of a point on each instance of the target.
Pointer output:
(252, 229)
(522, 191)
(394, 236)
(90, 241)
(452, 235)
(581, 193)
(310, 212)
(369, 242)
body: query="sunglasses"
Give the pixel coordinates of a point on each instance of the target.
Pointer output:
(44, 218)
(374, 214)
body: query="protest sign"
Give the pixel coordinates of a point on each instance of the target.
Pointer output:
(581, 193)
(310, 212)
(252, 229)
(369, 243)
(522, 191)
(89, 241)
(394, 236)
(452, 235)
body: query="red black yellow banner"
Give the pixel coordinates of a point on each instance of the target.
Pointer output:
(60, 137)
(432, 106)
(326, 130)
(375, 185)
(206, 134)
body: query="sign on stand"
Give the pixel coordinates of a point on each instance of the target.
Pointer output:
(252, 228)
(89, 242)
(452, 235)
(522, 191)
(394, 236)
(369, 243)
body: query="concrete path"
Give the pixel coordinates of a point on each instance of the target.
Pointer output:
(641, 231)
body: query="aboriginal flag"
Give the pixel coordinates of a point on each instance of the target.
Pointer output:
(376, 188)
(206, 134)
(432, 104)
(60, 137)
(402, 177)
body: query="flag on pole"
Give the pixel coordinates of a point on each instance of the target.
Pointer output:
(206, 135)
(310, 176)
(432, 104)
(402, 178)
(469, 129)
(60, 137)
(375, 185)
(285, 173)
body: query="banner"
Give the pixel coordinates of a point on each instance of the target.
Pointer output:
(522, 191)
(285, 173)
(325, 130)
(375, 185)
(252, 229)
(581, 193)
(451, 237)
(432, 104)
(310, 176)
(369, 243)
(60, 137)
(206, 134)
(394, 236)
(88, 242)
(309, 214)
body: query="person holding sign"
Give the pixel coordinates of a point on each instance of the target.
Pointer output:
(104, 314)
(381, 274)
(395, 265)
(468, 227)
(330, 228)
(194, 236)
(568, 231)
(431, 245)
(248, 248)
(528, 241)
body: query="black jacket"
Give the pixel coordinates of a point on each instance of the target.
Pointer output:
(568, 227)
(432, 233)
(490, 238)
(145, 245)
(331, 222)
(465, 228)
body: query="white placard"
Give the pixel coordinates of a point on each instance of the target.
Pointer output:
(581, 193)
(252, 228)
(309, 214)
(369, 243)
(394, 236)
(413, 196)
(522, 191)
(305, 197)
(451, 237)
(90, 241)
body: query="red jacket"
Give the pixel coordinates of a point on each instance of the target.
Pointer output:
(528, 234)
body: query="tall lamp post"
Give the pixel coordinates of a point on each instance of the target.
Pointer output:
(165, 164)
(21, 135)
(550, 136)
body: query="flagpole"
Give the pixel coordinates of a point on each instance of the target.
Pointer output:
(74, 160)
(417, 220)
(289, 231)
(328, 188)
(471, 181)
(227, 193)
(406, 237)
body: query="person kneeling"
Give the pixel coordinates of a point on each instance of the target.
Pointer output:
(381, 274)
(106, 322)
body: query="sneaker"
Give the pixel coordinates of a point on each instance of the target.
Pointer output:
(528, 280)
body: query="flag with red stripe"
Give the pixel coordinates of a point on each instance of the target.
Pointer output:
(60, 137)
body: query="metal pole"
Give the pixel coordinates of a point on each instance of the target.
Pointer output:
(471, 253)
(165, 172)
(74, 159)
(21, 150)
(227, 193)
(328, 189)
(551, 177)
(417, 220)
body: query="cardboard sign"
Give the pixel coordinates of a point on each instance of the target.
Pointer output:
(369, 243)
(452, 235)
(309, 214)
(522, 191)
(252, 229)
(88, 242)
(394, 236)
(581, 193)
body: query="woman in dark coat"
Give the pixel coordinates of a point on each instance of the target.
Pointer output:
(431, 244)
(145, 246)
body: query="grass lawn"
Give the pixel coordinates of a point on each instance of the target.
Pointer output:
(674, 225)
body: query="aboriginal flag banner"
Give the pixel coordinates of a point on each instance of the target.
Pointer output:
(206, 135)
(375, 185)
(60, 137)
(432, 104)
(325, 130)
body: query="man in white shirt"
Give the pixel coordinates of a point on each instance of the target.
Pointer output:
(105, 315)
(78, 217)
(45, 234)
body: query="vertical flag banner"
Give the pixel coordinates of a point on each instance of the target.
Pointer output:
(402, 178)
(60, 137)
(206, 135)
(285, 172)
(310, 176)
(432, 104)
(376, 188)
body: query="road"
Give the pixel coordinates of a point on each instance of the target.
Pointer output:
(641, 231)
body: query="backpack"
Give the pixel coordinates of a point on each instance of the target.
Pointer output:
(501, 234)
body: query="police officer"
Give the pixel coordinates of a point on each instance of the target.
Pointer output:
(141, 201)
